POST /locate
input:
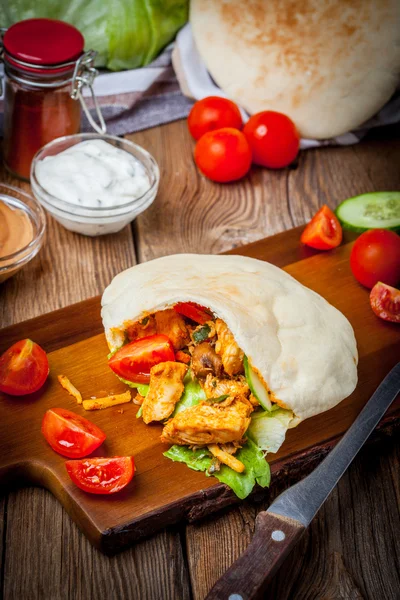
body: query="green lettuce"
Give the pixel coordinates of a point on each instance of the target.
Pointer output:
(192, 395)
(126, 33)
(268, 429)
(257, 469)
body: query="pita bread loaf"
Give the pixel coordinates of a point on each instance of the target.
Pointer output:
(302, 346)
(328, 64)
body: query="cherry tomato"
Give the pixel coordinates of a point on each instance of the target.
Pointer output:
(385, 302)
(324, 231)
(134, 360)
(273, 139)
(101, 475)
(70, 434)
(223, 155)
(23, 368)
(213, 113)
(375, 257)
(193, 311)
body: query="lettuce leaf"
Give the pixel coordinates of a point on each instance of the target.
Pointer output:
(268, 429)
(257, 469)
(126, 33)
(142, 388)
(192, 395)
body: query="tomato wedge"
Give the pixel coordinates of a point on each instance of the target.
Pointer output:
(324, 231)
(70, 434)
(193, 311)
(134, 360)
(23, 368)
(385, 302)
(101, 475)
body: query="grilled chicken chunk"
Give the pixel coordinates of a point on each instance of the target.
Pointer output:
(232, 356)
(166, 388)
(210, 423)
(215, 387)
(171, 324)
(205, 361)
(143, 328)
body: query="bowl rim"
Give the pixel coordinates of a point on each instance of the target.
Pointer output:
(22, 255)
(87, 211)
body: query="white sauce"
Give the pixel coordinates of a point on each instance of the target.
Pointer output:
(93, 174)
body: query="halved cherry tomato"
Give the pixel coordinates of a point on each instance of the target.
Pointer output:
(23, 368)
(213, 113)
(70, 434)
(385, 302)
(223, 155)
(193, 311)
(101, 475)
(134, 360)
(273, 139)
(324, 231)
(375, 256)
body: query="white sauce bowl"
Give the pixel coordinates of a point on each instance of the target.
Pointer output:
(85, 218)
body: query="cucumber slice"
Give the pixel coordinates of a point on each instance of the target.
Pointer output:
(371, 211)
(256, 386)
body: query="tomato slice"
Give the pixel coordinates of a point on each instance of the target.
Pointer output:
(193, 311)
(23, 368)
(385, 302)
(134, 360)
(70, 434)
(324, 231)
(101, 475)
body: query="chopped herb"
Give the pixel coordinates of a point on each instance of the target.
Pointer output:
(219, 399)
(200, 334)
(144, 321)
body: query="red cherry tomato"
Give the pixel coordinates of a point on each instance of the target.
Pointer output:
(375, 257)
(213, 113)
(70, 434)
(23, 368)
(101, 475)
(134, 360)
(193, 311)
(324, 231)
(385, 302)
(223, 155)
(273, 139)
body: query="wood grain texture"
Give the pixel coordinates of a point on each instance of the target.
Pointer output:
(328, 174)
(44, 555)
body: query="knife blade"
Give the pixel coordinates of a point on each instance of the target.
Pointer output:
(280, 527)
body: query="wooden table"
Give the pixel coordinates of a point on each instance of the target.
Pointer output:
(352, 548)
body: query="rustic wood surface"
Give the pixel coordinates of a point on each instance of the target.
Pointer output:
(351, 549)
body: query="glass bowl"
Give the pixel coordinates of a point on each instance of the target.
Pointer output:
(18, 200)
(88, 220)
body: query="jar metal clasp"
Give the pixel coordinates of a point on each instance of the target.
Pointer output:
(84, 75)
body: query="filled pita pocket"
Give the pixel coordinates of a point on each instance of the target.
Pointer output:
(227, 352)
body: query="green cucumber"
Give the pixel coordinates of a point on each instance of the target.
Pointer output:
(370, 211)
(256, 386)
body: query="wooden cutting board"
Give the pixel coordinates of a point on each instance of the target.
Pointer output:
(163, 492)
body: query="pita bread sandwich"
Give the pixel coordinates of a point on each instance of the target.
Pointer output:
(227, 353)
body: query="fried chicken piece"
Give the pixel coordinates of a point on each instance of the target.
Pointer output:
(214, 387)
(232, 356)
(205, 361)
(166, 389)
(143, 328)
(226, 458)
(210, 423)
(172, 324)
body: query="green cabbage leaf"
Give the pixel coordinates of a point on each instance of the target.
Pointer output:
(126, 33)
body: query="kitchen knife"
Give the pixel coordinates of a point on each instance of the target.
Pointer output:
(279, 528)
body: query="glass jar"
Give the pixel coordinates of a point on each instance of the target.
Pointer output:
(45, 68)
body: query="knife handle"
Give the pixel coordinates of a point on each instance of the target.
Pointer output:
(274, 538)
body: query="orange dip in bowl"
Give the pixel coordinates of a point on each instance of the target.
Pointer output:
(16, 229)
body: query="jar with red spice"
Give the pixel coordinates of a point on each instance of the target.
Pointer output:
(45, 68)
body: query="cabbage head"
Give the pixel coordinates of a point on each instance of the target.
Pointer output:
(126, 33)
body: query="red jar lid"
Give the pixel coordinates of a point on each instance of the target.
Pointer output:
(42, 42)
